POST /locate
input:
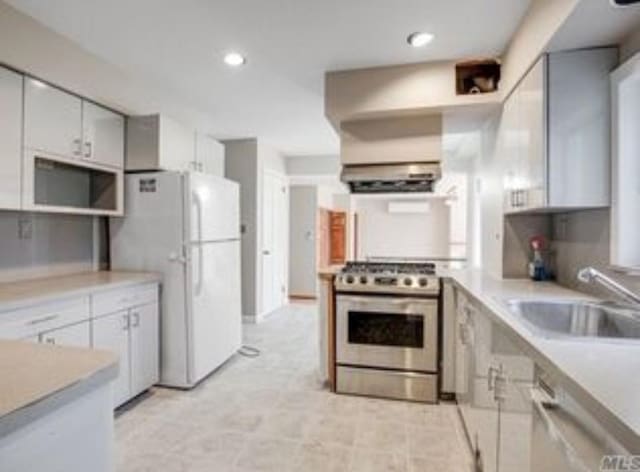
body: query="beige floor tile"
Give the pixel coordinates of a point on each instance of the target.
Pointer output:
(267, 455)
(273, 414)
(370, 460)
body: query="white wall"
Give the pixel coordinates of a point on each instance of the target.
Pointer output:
(59, 244)
(302, 240)
(241, 165)
(384, 234)
(246, 161)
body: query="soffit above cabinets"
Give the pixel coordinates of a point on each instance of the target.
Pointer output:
(399, 91)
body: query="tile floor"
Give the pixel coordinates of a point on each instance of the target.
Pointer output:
(272, 414)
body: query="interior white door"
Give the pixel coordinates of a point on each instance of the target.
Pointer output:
(274, 230)
(145, 354)
(103, 135)
(268, 256)
(52, 120)
(215, 209)
(10, 138)
(216, 315)
(111, 333)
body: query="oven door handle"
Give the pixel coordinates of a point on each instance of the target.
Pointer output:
(388, 300)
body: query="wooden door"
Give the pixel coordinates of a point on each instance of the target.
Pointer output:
(323, 240)
(337, 237)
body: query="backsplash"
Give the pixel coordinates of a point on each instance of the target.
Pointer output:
(581, 239)
(39, 245)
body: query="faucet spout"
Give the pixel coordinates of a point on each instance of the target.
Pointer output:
(589, 275)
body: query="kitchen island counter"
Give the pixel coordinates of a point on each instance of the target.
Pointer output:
(55, 407)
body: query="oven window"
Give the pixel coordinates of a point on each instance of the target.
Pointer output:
(386, 329)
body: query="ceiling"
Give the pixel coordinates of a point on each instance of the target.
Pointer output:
(290, 44)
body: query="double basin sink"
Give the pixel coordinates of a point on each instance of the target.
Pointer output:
(578, 319)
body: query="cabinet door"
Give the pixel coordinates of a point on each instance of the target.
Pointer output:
(532, 118)
(464, 352)
(103, 135)
(209, 155)
(176, 146)
(509, 151)
(484, 407)
(516, 416)
(78, 335)
(52, 120)
(145, 359)
(10, 139)
(111, 333)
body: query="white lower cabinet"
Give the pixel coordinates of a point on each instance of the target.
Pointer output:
(77, 335)
(124, 321)
(111, 333)
(133, 334)
(144, 348)
(492, 387)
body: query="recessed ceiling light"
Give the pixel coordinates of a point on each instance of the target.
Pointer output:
(417, 40)
(234, 59)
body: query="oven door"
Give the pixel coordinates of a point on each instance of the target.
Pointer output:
(387, 332)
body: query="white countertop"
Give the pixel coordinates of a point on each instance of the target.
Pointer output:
(603, 375)
(14, 295)
(37, 378)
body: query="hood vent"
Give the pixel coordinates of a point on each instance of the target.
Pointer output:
(391, 178)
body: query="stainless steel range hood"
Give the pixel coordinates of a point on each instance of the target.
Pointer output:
(391, 178)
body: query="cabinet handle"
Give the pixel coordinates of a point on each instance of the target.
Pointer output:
(491, 378)
(136, 319)
(126, 323)
(50, 341)
(500, 386)
(78, 149)
(88, 149)
(42, 320)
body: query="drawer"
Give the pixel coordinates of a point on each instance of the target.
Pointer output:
(387, 384)
(105, 303)
(28, 322)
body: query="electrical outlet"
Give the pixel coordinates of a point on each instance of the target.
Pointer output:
(25, 227)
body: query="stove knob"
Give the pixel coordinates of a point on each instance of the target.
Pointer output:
(349, 279)
(408, 282)
(363, 279)
(423, 281)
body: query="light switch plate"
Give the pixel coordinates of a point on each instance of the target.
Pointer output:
(25, 227)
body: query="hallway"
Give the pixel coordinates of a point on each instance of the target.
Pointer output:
(271, 414)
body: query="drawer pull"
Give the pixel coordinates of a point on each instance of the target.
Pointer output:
(50, 340)
(43, 320)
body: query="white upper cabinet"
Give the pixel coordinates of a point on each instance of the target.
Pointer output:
(156, 142)
(10, 139)
(209, 155)
(103, 136)
(557, 121)
(58, 123)
(52, 120)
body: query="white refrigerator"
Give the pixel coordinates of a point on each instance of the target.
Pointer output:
(186, 226)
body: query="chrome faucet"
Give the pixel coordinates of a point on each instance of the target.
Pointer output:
(591, 275)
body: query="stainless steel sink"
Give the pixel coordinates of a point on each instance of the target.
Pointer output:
(579, 318)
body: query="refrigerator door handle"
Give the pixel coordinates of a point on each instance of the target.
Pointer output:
(198, 204)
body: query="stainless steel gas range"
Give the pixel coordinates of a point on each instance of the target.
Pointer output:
(387, 330)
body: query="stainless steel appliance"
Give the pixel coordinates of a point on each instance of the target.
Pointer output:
(387, 330)
(391, 178)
